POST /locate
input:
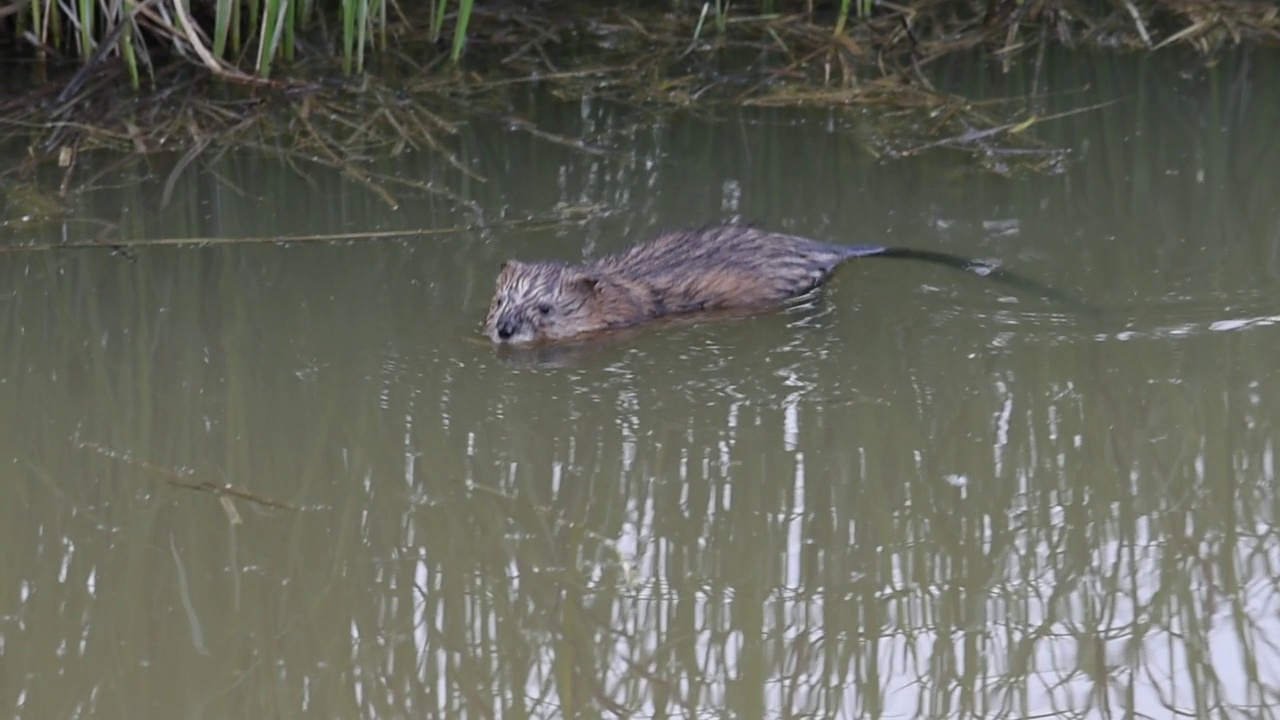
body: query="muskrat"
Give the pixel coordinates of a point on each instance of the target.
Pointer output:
(718, 268)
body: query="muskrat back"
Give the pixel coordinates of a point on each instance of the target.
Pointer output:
(681, 271)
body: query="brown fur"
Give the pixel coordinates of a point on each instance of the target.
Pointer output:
(725, 269)
(717, 268)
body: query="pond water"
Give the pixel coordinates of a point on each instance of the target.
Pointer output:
(918, 495)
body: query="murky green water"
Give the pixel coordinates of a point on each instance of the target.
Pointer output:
(917, 496)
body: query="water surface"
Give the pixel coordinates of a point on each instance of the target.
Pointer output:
(916, 495)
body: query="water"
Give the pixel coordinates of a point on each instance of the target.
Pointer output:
(917, 495)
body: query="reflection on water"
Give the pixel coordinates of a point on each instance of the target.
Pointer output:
(914, 495)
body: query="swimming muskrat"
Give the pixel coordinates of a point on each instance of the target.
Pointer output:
(715, 268)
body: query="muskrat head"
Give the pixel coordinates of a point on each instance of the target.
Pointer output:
(541, 301)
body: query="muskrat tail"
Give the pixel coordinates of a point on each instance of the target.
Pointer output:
(987, 270)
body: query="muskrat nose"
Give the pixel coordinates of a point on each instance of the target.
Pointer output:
(506, 329)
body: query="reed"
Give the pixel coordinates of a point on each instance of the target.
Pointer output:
(793, 53)
(224, 35)
(251, 36)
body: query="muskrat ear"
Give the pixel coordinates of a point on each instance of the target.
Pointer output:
(587, 283)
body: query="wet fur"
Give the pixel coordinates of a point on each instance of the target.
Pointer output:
(678, 272)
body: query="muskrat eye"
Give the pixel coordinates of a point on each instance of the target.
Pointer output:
(544, 308)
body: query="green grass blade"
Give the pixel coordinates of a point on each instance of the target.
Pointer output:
(460, 32)
(437, 19)
(273, 20)
(290, 21)
(843, 17)
(348, 34)
(221, 24)
(86, 17)
(362, 32)
(126, 47)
